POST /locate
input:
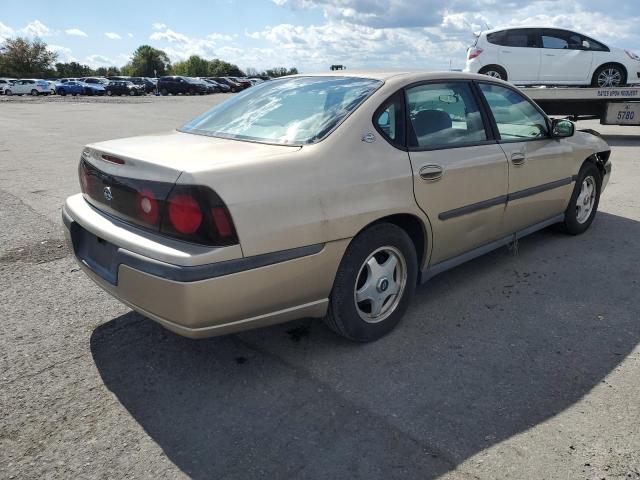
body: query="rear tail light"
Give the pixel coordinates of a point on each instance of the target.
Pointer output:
(191, 213)
(474, 52)
(197, 214)
(185, 215)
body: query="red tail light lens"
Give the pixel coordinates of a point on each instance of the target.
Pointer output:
(222, 221)
(474, 52)
(112, 159)
(197, 214)
(184, 214)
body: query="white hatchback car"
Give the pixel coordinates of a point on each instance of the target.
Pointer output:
(29, 86)
(551, 56)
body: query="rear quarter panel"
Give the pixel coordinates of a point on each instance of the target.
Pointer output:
(320, 193)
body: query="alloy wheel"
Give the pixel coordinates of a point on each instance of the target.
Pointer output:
(609, 77)
(380, 284)
(586, 199)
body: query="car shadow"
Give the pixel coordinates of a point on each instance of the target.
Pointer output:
(486, 351)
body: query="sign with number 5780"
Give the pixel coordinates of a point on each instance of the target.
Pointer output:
(623, 114)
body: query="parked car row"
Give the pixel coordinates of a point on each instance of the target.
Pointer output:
(177, 84)
(120, 85)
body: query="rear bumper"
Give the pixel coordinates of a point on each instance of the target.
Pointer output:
(213, 299)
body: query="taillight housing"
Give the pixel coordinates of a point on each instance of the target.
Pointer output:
(197, 214)
(191, 213)
(474, 52)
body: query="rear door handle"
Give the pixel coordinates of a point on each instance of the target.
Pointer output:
(518, 158)
(549, 55)
(431, 173)
(505, 51)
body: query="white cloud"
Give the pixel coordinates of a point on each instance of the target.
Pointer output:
(5, 32)
(75, 32)
(37, 29)
(99, 61)
(113, 36)
(64, 54)
(220, 37)
(158, 26)
(130, 35)
(170, 36)
(406, 34)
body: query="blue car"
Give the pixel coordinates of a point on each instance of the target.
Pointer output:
(93, 88)
(71, 88)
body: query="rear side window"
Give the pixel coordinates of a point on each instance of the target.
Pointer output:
(444, 115)
(515, 116)
(519, 37)
(390, 122)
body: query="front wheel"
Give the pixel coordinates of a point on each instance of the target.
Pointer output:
(374, 284)
(584, 200)
(609, 76)
(109, 93)
(34, 93)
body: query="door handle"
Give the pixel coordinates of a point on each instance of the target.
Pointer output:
(549, 55)
(518, 158)
(431, 173)
(505, 51)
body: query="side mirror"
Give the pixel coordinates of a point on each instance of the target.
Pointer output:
(562, 128)
(586, 45)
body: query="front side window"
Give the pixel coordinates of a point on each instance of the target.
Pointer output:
(289, 111)
(561, 39)
(444, 115)
(515, 116)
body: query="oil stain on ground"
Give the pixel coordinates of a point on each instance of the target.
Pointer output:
(42, 251)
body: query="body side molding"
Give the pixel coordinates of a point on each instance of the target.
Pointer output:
(431, 271)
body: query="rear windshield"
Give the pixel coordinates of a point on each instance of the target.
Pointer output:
(289, 111)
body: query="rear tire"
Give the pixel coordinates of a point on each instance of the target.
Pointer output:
(34, 93)
(494, 71)
(367, 303)
(583, 204)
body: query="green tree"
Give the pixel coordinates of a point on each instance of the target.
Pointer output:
(220, 68)
(112, 71)
(146, 60)
(281, 72)
(73, 69)
(194, 66)
(20, 57)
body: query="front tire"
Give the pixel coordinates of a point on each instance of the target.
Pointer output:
(584, 201)
(34, 93)
(609, 76)
(374, 284)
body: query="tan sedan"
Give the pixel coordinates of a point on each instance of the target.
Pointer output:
(327, 196)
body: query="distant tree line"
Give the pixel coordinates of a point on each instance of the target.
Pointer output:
(21, 57)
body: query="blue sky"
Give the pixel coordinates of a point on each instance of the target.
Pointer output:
(308, 34)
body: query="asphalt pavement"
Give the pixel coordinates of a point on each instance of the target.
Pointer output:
(520, 364)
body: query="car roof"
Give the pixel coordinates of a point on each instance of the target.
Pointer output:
(520, 27)
(408, 75)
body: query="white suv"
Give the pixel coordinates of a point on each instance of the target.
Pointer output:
(29, 86)
(551, 56)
